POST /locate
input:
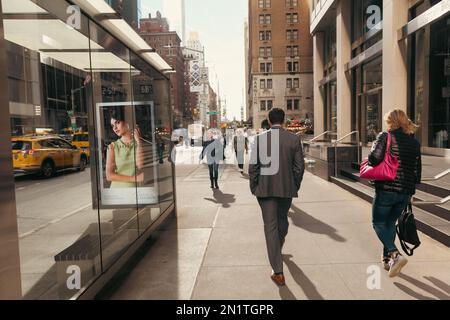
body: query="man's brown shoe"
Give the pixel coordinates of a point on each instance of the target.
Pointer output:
(278, 279)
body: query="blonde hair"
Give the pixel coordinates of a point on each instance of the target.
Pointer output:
(397, 119)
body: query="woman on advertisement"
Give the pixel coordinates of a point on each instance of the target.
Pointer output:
(125, 156)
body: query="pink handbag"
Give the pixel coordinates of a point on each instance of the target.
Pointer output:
(385, 171)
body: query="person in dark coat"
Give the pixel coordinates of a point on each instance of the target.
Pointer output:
(214, 151)
(276, 172)
(392, 197)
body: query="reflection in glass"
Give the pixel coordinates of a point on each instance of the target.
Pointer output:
(48, 92)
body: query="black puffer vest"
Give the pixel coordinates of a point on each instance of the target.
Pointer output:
(407, 150)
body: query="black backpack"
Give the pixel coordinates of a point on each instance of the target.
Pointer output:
(407, 231)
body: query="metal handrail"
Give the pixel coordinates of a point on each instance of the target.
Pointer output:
(342, 139)
(438, 177)
(320, 136)
(443, 201)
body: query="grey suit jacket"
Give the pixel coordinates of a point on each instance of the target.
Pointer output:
(286, 181)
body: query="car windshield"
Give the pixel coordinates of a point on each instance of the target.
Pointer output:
(21, 145)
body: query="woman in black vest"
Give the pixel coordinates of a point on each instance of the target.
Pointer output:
(392, 197)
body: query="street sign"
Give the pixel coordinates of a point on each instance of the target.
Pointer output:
(213, 112)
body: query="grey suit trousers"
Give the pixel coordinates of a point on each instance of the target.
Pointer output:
(275, 215)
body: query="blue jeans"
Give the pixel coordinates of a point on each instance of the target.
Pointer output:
(386, 209)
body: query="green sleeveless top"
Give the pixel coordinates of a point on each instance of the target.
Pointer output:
(125, 163)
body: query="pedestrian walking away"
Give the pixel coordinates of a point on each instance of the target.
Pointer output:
(275, 189)
(392, 197)
(240, 145)
(214, 152)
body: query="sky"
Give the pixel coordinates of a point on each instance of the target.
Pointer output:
(220, 25)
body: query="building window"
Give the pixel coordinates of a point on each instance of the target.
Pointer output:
(265, 35)
(293, 104)
(265, 52)
(296, 83)
(269, 84)
(292, 66)
(263, 105)
(289, 83)
(291, 17)
(262, 84)
(291, 3)
(292, 51)
(269, 105)
(265, 67)
(292, 34)
(263, 4)
(262, 52)
(265, 19)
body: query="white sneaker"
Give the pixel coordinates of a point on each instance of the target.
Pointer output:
(396, 264)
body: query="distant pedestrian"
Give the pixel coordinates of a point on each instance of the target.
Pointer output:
(240, 145)
(392, 197)
(265, 125)
(276, 188)
(214, 152)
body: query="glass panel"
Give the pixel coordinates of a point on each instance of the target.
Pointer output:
(49, 98)
(146, 104)
(439, 103)
(118, 153)
(373, 116)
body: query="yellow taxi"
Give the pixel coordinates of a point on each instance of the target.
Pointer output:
(81, 141)
(45, 155)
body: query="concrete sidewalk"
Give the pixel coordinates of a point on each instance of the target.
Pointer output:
(215, 248)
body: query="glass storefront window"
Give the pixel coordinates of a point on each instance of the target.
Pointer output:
(429, 79)
(48, 79)
(367, 114)
(90, 126)
(439, 101)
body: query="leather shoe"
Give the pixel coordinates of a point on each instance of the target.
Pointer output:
(278, 279)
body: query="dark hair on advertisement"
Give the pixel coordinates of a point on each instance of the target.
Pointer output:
(276, 116)
(117, 113)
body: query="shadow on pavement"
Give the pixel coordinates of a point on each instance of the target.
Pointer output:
(225, 199)
(307, 222)
(425, 287)
(411, 292)
(440, 284)
(286, 294)
(302, 280)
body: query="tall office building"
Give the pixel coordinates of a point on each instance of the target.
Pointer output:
(156, 32)
(280, 54)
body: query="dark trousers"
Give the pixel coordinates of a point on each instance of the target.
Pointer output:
(387, 208)
(275, 215)
(240, 159)
(213, 172)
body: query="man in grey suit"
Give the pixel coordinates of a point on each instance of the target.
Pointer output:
(276, 172)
